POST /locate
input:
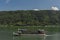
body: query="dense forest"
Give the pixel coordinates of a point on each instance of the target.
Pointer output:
(30, 17)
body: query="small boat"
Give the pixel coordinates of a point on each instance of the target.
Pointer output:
(19, 32)
(22, 31)
(41, 31)
(16, 34)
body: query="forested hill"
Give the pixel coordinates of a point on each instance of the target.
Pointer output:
(30, 17)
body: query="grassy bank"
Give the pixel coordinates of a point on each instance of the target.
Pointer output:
(50, 28)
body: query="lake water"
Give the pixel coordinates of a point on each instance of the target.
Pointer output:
(7, 35)
(55, 36)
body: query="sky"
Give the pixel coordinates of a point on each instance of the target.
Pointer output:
(28, 4)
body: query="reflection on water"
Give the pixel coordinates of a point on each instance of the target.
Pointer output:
(29, 37)
(7, 35)
(55, 36)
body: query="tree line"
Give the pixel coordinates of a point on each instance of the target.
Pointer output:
(30, 17)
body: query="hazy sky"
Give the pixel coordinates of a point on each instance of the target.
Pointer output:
(28, 4)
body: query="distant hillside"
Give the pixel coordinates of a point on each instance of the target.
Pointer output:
(30, 17)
